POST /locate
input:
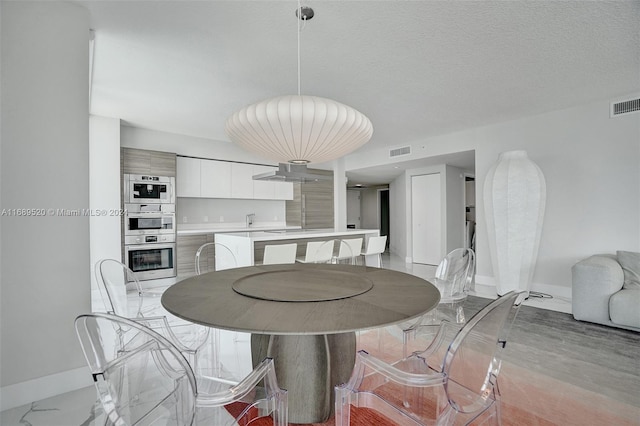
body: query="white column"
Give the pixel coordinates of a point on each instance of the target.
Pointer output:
(339, 195)
(45, 271)
(104, 189)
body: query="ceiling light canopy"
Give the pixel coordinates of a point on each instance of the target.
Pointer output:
(299, 129)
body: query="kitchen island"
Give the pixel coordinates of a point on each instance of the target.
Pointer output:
(248, 247)
(191, 236)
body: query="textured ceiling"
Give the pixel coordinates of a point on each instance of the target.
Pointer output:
(415, 68)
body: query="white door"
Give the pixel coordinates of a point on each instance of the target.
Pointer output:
(426, 213)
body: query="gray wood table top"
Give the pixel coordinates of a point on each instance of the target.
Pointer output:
(309, 298)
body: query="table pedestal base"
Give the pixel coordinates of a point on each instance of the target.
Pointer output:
(308, 366)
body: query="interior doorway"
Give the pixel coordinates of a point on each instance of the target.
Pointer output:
(385, 227)
(353, 209)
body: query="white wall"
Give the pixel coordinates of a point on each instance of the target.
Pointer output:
(45, 165)
(398, 205)
(104, 187)
(339, 195)
(133, 137)
(592, 168)
(455, 208)
(194, 210)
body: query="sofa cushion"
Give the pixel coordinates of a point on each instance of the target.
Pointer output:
(630, 262)
(624, 307)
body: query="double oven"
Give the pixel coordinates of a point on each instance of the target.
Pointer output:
(150, 226)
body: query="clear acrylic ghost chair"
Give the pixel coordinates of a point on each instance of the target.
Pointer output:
(145, 380)
(280, 254)
(375, 247)
(211, 257)
(462, 388)
(453, 279)
(122, 296)
(348, 249)
(318, 252)
(122, 293)
(214, 257)
(120, 290)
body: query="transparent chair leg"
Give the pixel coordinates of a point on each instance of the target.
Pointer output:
(209, 358)
(460, 319)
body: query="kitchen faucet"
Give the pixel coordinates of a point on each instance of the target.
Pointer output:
(250, 217)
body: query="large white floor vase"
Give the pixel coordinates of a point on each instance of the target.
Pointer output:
(514, 201)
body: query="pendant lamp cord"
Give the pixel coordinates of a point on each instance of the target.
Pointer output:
(299, 17)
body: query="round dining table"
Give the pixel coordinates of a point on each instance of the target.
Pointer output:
(304, 316)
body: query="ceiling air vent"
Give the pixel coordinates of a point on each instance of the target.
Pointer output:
(625, 107)
(397, 152)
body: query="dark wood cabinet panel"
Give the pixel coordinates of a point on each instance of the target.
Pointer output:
(312, 205)
(136, 161)
(187, 246)
(294, 207)
(162, 163)
(146, 162)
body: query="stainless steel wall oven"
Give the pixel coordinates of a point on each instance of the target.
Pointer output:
(150, 226)
(150, 259)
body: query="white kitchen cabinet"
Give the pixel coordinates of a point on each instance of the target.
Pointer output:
(283, 190)
(263, 190)
(271, 190)
(187, 177)
(202, 178)
(215, 179)
(241, 180)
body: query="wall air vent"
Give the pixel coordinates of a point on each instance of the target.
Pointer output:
(397, 152)
(625, 107)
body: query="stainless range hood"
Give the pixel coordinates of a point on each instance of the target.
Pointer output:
(288, 172)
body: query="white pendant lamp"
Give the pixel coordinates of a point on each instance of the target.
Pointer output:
(299, 129)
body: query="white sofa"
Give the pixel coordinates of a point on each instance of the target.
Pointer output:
(604, 292)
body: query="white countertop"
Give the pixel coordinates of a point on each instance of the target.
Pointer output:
(291, 234)
(214, 228)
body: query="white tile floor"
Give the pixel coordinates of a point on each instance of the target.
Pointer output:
(80, 408)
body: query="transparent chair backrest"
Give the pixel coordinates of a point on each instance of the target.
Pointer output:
(139, 380)
(114, 278)
(319, 251)
(455, 271)
(376, 245)
(280, 254)
(214, 257)
(473, 358)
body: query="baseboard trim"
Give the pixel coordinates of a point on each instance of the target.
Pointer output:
(43, 387)
(560, 296)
